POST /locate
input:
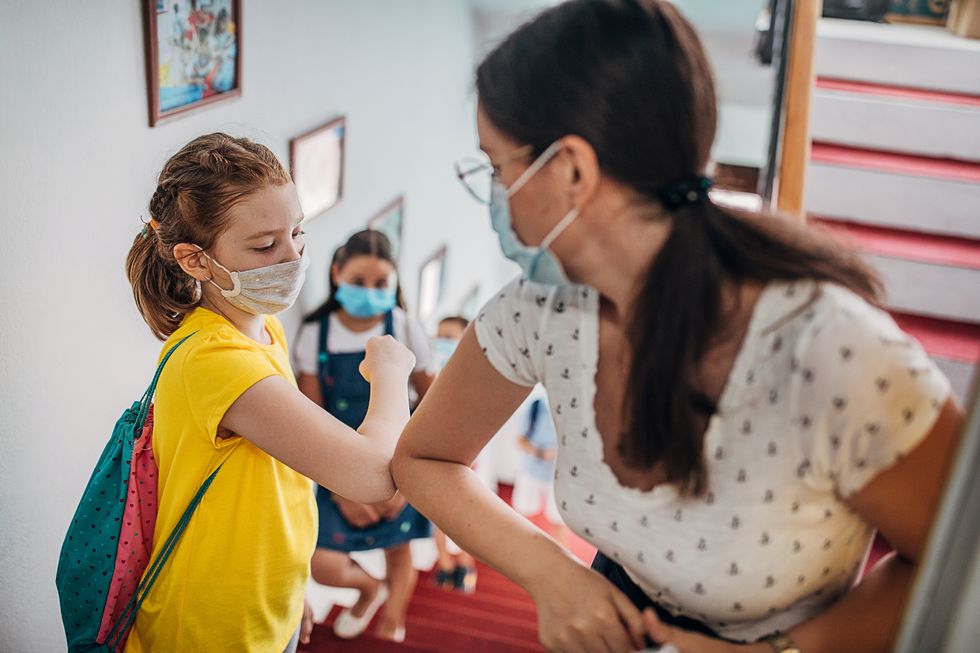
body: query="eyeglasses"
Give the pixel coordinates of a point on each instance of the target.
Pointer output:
(477, 174)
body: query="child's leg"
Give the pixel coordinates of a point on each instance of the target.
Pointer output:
(401, 583)
(464, 578)
(444, 561)
(336, 569)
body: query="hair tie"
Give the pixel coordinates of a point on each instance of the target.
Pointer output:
(684, 192)
(152, 225)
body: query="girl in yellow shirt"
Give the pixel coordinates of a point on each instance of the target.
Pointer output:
(222, 253)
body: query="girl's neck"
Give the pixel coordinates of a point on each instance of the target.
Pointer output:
(252, 326)
(357, 324)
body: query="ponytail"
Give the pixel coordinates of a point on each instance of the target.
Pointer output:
(164, 294)
(678, 316)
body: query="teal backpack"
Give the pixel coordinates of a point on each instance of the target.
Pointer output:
(103, 573)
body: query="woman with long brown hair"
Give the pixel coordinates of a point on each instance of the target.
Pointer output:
(736, 415)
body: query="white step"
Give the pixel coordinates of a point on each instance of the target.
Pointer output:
(926, 204)
(916, 56)
(930, 289)
(913, 123)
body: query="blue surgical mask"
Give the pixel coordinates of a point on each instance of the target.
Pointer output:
(363, 302)
(539, 263)
(442, 350)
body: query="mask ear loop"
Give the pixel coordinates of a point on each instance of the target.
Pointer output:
(560, 227)
(532, 169)
(236, 281)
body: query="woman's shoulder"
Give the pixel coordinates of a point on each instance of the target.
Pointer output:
(530, 298)
(838, 315)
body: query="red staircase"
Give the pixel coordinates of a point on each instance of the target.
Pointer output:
(499, 617)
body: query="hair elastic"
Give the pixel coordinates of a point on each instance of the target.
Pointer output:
(684, 192)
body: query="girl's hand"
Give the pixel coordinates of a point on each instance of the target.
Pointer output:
(385, 355)
(306, 626)
(684, 640)
(358, 515)
(580, 611)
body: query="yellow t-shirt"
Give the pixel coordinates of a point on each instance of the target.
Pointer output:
(236, 579)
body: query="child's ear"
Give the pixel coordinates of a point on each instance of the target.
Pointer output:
(335, 274)
(192, 260)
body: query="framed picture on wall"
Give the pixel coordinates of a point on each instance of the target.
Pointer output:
(391, 222)
(316, 161)
(432, 282)
(193, 54)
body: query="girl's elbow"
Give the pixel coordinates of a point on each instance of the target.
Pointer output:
(384, 488)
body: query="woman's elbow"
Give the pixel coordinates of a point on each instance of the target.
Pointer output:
(401, 464)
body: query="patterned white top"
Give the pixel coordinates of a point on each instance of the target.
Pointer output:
(825, 393)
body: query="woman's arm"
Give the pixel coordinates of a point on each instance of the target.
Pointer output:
(466, 406)
(901, 503)
(287, 425)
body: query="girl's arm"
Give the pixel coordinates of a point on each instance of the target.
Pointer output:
(467, 404)
(287, 425)
(361, 515)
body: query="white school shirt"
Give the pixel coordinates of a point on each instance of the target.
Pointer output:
(825, 393)
(342, 340)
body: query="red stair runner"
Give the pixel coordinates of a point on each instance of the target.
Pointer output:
(914, 246)
(904, 164)
(898, 92)
(499, 618)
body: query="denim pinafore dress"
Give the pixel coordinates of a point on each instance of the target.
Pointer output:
(346, 395)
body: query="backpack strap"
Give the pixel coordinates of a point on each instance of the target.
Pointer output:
(128, 615)
(322, 354)
(147, 398)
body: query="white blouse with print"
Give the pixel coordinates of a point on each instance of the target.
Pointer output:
(825, 393)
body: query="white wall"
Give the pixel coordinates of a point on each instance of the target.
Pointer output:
(78, 164)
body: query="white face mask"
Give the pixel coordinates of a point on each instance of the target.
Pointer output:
(267, 290)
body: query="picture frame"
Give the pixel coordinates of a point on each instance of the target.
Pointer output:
(316, 163)
(193, 55)
(432, 284)
(390, 221)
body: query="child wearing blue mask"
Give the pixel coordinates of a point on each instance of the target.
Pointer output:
(364, 301)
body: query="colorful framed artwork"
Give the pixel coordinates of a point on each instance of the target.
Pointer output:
(391, 222)
(432, 282)
(316, 161)
(193, 55)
